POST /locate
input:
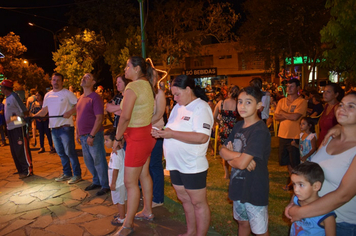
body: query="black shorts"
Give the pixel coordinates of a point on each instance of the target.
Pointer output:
(288, 154)
(189, 181)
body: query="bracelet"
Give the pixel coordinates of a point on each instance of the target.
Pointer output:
(118, 140)
(91, 136)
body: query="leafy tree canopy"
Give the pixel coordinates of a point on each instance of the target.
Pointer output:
(14, 67)
(284, 28)
(176, 29)
(78, 55)
(339, 36)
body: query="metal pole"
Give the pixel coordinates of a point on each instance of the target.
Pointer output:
(143, 35)
(54, 35)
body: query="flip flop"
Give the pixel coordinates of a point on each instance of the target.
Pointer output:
(141, 216)
(123, 228)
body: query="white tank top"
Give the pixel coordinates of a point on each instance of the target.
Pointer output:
(335, 167)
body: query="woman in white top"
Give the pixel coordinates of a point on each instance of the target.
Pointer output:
(338, 162)
(186, 140)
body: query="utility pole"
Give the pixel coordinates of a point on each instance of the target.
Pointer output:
(143, 35)
(54, 34)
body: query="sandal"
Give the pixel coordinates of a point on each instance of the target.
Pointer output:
(141, 216)
(117, 221)
(122, 229)
(117, 215)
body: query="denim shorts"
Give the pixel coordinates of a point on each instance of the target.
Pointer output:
(257, 216)
(345, 229)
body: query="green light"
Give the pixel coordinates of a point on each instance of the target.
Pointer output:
(299, 60)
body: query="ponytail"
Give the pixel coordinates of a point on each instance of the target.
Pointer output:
(146, 69)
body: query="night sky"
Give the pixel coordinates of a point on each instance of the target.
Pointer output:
(15, 16)
(52, 15)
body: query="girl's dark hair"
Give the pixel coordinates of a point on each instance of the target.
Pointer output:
(41, 93)
(337, 89)
(146, 69)
(253, 91)
(234, 91)
(310, 123)
(126, 81)
(184, 81)
(111, 133)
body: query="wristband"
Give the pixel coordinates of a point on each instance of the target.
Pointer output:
(118, 140)
(91, 136)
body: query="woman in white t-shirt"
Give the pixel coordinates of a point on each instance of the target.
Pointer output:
(186, 139)
(337, 159)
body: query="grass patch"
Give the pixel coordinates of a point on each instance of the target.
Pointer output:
(221, 207)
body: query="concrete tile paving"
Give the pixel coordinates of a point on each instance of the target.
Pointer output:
(38, 205)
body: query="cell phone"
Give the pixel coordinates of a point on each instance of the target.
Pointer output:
(155, 128)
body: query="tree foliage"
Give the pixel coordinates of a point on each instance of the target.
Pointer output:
(284, 28)
(176, 29)
(78, 55)
(339, 36)
(14, 67)
(116, 54)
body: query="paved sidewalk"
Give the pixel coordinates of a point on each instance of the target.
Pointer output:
(38, 205)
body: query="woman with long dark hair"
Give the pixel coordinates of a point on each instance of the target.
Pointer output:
(135, 126)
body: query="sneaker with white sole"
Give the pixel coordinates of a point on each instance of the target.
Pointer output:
(155, 204)
(63, 177)
(74, 180)
(117, 221)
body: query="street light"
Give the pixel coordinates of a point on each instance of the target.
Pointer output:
(54, 35)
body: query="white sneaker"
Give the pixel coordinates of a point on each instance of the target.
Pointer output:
(117, 221)
(63, 177)
(154, 204)
(74, 179)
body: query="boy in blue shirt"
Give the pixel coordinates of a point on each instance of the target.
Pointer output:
(307, 179)
(247, 150)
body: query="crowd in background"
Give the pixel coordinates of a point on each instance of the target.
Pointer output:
(303, 117)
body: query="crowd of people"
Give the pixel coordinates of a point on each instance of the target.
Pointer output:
(150, 121)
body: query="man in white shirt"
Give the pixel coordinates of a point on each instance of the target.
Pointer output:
(62, 102)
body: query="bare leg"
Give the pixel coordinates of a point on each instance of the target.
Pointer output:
(188, 210)
(147, 188)
(121, 209)
(33, 125)
(201, 209)
(226, 169)
(244, 228)
(133, 193)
